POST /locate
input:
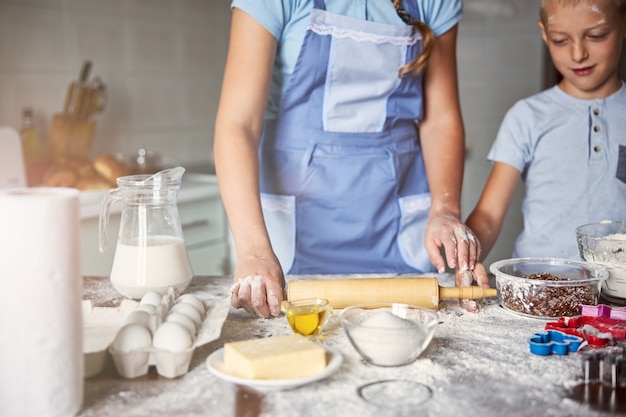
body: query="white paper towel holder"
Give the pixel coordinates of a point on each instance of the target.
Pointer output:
(12, 170)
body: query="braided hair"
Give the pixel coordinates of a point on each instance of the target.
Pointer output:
(428, 37)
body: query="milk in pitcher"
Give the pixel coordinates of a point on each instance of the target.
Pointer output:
(161, 263)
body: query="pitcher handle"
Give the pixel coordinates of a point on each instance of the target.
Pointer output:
(105, 208)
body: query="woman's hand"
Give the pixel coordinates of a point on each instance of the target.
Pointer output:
(479, 277)
(258, 286)
(462, 249)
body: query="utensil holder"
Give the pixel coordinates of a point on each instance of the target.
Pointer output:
(69, 137)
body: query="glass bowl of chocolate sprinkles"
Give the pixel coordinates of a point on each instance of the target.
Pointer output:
(547, 287)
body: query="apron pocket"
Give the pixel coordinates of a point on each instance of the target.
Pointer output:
(413, 217)
(621, 164)
(279, 213)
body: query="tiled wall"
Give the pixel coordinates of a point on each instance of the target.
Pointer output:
(162, 61)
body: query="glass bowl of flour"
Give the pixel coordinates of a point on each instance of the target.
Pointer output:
(389, 334)
(604, 244)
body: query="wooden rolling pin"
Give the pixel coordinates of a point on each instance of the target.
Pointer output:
(342, 293)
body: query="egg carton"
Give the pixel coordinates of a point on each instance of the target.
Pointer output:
(133, 356)
(100, 325)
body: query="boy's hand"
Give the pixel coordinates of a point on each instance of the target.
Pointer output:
(466, 278)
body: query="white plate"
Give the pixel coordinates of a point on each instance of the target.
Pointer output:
(215, 363)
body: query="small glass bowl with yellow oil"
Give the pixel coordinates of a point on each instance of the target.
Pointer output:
(307, 316)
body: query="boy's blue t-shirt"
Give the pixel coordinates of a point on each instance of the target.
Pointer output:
(572, 156)
(287, 21)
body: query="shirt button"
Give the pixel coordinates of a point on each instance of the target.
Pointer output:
(597, 148)
(596, 111)
(596, 128)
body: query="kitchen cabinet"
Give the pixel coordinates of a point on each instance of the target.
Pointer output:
(204, 227)
(202, 218)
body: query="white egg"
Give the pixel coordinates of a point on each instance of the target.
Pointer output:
(189, 311)
(180, 318)
(172, 337)
(148, 308)
(142, 318)
(151, 297)
(132, 337)
(193, 300)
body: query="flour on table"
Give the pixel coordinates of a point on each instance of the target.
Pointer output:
(474, 360)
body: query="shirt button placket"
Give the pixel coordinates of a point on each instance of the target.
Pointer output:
(597, 132)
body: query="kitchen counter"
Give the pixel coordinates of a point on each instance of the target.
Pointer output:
(193, 187)
(203, 222)
(476, 365)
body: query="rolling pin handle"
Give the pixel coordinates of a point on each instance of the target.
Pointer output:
(472, 292)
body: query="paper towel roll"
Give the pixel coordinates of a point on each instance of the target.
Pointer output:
(41, 358)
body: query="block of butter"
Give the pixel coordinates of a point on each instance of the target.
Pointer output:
(279, 357)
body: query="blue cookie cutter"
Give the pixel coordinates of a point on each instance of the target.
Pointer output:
(553, 341)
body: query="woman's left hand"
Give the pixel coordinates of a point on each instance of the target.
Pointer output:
(462, 248)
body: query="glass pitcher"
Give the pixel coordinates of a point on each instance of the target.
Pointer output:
(150, 253)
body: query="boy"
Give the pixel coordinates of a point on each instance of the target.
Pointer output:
(567, 143)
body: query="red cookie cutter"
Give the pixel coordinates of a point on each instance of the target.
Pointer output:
(597, 331)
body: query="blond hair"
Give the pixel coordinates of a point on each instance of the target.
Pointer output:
(428, 38)
(620, 7)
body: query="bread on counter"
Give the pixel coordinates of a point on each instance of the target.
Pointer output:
(110, 168)
(99, 174)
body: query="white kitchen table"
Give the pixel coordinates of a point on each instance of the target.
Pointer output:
(478, 364)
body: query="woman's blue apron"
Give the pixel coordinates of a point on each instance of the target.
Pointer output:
(343, 184)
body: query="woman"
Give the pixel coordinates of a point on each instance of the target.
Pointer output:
(339, 142)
